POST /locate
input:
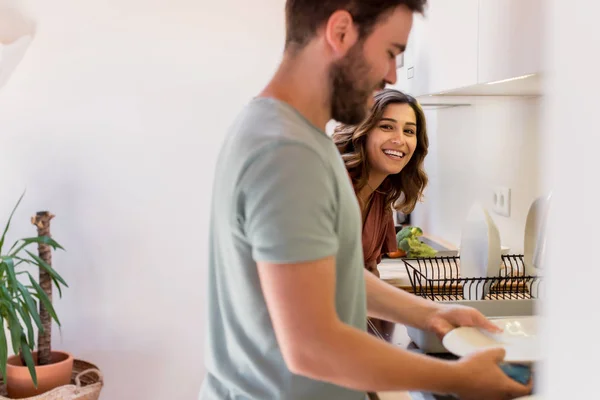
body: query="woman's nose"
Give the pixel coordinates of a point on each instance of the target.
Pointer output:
(398, 139)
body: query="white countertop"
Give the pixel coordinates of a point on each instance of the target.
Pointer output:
(392, 270)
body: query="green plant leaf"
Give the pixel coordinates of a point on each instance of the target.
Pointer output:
(44, 299)
(43, 264)
(3, 349)
(6, 305)
(36, 239)
(14, 324)
(27, 320)
(28, 359)
(8, 222)
(57, 284)
(6, 297)
(32, 308)
(10, 269)
(15, 328)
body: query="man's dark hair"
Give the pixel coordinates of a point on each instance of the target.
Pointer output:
(304, 17)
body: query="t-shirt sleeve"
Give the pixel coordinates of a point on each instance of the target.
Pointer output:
(289, 205)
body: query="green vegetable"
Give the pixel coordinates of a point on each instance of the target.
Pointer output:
(408, 231)
(408, 240)
(403, 234)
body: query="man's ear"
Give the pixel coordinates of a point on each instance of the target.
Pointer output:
(340, 32)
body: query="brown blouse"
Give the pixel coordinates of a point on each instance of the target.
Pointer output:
(378, 238)
(378, 233)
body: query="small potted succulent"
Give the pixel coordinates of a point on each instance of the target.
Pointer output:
(26, 304)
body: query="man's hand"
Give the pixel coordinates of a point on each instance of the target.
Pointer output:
(481, 377)
(445, 318)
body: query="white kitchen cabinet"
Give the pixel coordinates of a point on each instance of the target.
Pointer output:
(510, 38)
(461, 45)
(442, 48)
(405, 62)
(448, 57)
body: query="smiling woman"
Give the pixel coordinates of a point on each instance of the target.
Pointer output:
(384, 157)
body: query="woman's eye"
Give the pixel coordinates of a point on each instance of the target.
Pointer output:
(386, 127)
(409, 131)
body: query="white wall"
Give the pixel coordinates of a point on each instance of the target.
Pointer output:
(112, 122)
(493, 142)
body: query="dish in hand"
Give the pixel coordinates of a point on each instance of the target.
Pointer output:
(519, 338)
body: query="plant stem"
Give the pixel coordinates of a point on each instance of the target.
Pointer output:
(42, 222)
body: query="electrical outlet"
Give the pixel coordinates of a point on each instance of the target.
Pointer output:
(501, 201)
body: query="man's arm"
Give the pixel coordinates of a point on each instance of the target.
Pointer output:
(316, 344)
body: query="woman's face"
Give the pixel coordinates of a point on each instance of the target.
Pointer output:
(393, 140)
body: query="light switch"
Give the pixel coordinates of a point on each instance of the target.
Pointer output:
(501, 201)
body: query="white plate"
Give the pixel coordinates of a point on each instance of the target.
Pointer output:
(535, 234)
(480, 251)
(519, 338)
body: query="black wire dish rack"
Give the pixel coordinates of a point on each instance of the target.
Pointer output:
(438, 279)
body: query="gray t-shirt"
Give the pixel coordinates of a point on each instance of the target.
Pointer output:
(281, 194)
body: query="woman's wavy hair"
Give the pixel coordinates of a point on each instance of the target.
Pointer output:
(404, 189)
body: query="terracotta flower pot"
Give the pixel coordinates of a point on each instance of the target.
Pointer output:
(18, 380)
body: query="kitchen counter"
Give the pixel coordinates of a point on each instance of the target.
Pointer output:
(393, 271)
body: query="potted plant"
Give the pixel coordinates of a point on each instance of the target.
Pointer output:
(26, 303)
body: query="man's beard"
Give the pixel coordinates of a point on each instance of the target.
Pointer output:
(350, 90)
